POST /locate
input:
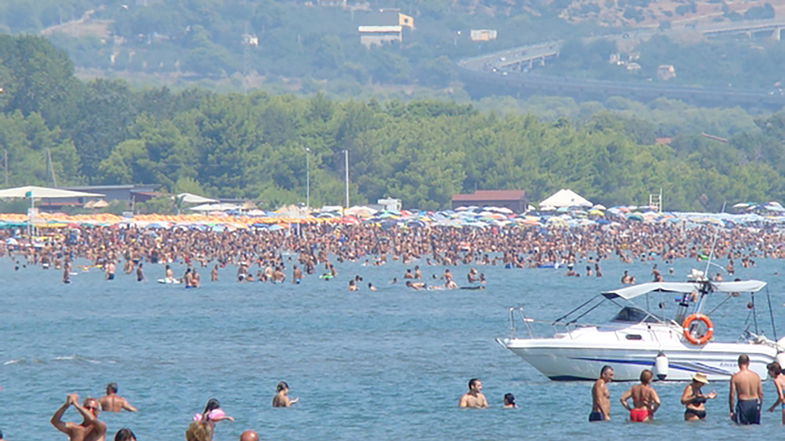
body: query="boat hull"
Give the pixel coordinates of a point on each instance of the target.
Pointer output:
(564, 360)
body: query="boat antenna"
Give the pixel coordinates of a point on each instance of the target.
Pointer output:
(713, 244)
(771, 314)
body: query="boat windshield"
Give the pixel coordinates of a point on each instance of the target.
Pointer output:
(631, 314)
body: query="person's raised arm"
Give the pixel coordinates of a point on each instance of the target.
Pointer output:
(90, 418)
(57, 418)
(86, 414)
(224, 417)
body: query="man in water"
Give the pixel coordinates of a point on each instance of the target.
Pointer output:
(474, 397)
(746, 390)
(281, 398)
(111, 402)
(91, 429)
(249, 435)
(645, 400)
(601, 396)
(776, 375)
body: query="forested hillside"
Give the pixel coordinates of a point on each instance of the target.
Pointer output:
(307, 46)
(254, 146)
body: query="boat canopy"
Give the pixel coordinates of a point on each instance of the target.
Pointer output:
(631, 292)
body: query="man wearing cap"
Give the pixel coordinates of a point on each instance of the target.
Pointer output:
(694, 399)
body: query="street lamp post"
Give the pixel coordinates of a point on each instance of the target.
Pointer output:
(346, 167)
(307, 178)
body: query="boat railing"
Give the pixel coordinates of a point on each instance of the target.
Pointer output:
(518, 319)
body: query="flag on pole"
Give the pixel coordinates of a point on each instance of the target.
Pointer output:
(406, 20)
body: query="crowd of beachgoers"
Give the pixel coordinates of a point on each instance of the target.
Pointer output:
(298, 250)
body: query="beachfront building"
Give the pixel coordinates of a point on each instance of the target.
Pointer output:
(515, 200)
(130, 194)
(382, 27)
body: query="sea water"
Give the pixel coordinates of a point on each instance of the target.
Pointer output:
(386, 365)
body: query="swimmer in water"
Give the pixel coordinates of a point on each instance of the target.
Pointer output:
(281, 398)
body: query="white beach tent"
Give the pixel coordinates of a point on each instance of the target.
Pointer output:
(32, 191)
(565, 198)
(190, 198)
(222, 206)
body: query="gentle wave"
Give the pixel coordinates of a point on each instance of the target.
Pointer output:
(74, 357)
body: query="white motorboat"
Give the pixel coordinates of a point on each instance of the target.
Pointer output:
(636, 339)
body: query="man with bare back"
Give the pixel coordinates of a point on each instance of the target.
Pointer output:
(111, 402)
(746, 390)
(645, 400)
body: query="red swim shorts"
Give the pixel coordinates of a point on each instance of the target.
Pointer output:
(639, 415)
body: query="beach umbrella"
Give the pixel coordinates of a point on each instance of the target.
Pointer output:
(503, 210)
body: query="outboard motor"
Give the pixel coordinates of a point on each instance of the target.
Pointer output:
(661, 366)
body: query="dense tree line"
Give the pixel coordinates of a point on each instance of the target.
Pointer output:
(255, 145)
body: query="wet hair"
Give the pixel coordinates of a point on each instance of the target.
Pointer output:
(774, 366)
(281, 386)
(744, 359)
(509, 398)
(212, 404)
(646, 376)
(605, 368)
(124, 434)
(473, 381)
(112, 387)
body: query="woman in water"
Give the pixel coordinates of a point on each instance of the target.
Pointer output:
(203, 426)
(281, 398)
(694, 399)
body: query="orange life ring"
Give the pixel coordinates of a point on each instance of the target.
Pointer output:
(709, 325)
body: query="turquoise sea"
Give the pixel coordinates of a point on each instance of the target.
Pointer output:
(386, 365)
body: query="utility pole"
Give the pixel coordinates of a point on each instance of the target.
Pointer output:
(51, 169)
(307, 178)
(5, 166)
(346, 167)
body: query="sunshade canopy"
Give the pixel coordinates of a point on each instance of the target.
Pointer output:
(565, 198)
(32, 191)
(190, 198)
(631, 292)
